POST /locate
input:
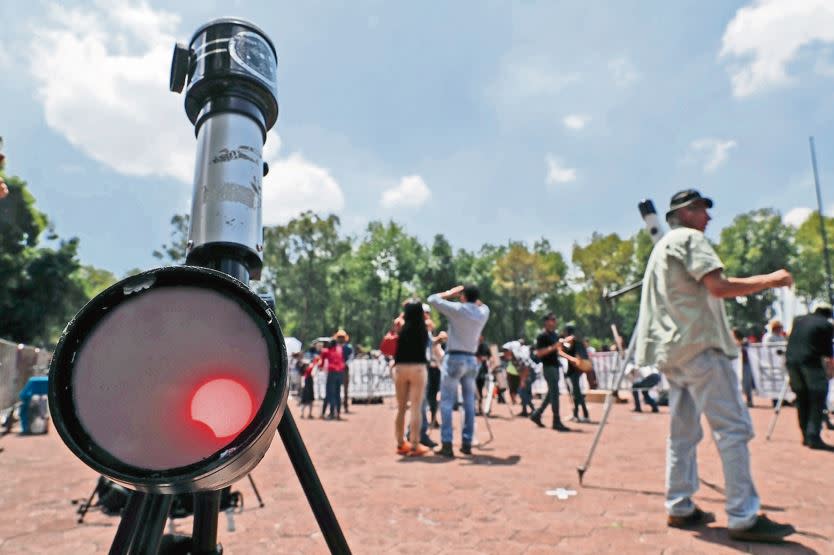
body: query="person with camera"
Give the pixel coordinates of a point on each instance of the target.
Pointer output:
(683, 330)
(573, 351)
(548, 348)
(810, 366)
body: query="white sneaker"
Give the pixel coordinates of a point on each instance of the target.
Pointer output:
(575, 419)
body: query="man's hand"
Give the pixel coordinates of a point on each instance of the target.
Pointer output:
(457, 290)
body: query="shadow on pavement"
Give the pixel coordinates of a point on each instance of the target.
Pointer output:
(720, 536)
(718, 489)
(489, 460)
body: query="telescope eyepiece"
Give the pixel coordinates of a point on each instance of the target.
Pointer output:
(227, 57)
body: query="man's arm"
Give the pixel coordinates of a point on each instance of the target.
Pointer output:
(724, 287)
(442, 304)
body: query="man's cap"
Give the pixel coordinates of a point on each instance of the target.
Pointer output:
(341, 333)
(685, 198)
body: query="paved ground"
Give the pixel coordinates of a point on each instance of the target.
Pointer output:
(493, 502)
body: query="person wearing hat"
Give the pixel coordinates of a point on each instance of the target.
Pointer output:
(810, 365)
(347, 354)
(683, 330)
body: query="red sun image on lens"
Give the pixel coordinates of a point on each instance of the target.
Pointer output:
(224, 405)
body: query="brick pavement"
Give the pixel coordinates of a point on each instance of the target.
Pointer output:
(493, 502)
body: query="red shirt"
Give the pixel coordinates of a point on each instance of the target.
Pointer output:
(333, 357)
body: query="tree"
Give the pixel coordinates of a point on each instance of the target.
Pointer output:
(296, 261)
(43, 287)
(174, 253)
(524, 277)
(756, 242)
(809, 264)
(605, 264)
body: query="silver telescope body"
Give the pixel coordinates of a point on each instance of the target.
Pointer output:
(230, 66)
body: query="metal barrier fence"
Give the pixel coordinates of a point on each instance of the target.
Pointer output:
(18, 363)
(370, 378)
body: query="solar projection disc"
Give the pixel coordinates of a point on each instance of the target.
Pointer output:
(172, 380)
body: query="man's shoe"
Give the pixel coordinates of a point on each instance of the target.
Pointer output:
(636, 410)
(694, 520)
(763, 530)
(655, 409)
(537, 418)
(446, 450)
(559, 427)
(574, 419)
(524, 413)
(427, 441)
(466, 449)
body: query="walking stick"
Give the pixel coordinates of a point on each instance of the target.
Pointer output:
(777, 409)
(609, 401)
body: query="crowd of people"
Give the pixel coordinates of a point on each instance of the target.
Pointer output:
(682, 332)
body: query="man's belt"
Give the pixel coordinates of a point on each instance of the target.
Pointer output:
(467, 353)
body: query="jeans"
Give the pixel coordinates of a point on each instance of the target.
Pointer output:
(457, 369)
(551, 376)
(332, 391)
(645, 385)
(707, 384)
(525, 392)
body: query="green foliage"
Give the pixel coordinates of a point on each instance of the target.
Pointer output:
(174, 252)
(809, 264)
(756, 242)
(43, 287)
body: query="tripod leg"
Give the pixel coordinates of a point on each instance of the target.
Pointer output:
(609, 402)
(777, 409)
(129, 523)
(310, 483)
(152, 519)
(255, 489)
(82, 510)
(204, 533)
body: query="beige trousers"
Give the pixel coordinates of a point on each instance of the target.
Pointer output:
(410, 383)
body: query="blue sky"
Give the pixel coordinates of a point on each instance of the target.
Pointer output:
(484, 121)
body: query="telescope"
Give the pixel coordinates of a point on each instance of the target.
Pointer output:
(173, 381)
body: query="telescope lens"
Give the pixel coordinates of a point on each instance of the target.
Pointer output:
(171, 381)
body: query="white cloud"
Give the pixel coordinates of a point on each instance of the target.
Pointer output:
(623, 71)
(411, 192)
(713, 152)
(293, 185)
(102, 75)
(576, 121)
(765, 36)
(557, 172)
(796, 216)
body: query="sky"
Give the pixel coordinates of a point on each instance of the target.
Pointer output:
(485, 121)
